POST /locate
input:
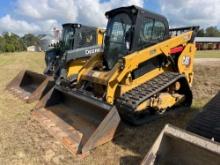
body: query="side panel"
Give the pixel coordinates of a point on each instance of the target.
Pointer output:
(100, 36)
(126, 87)
(75, 66)
(186, 60)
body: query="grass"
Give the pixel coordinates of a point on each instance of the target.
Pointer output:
(23, 141)
(208, 54)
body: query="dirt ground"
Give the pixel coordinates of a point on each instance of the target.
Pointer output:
(23, 141)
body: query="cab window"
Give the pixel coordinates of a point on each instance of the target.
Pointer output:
(151, 32)
(85, 38)
(146, 31)
(158, 31)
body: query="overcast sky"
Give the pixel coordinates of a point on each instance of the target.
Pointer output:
(39, 16)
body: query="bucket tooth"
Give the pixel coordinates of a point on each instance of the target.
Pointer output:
(176, 145)
(30, 86)
(79, 122)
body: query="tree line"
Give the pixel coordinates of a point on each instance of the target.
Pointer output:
(11, 42)
(211, 31)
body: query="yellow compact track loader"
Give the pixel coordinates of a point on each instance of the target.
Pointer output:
(78, 44)
(145, 69)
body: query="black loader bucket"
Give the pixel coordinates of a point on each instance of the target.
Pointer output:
(80, 122)
(177, 146)
(30, 86)
(207, 122)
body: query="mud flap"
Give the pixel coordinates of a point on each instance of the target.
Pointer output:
(30, 86)
(177, 146)
(81, 123)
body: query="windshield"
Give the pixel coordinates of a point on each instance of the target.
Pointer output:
(68, 37)
(118, 39)
(85, 37)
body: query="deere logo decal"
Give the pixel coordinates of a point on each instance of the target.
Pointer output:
(92, 51)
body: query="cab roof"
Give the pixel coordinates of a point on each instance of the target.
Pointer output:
(78, 25)
(136, 10)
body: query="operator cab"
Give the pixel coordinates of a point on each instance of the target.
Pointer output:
(130, 29)
(78, 36)
(74, 36)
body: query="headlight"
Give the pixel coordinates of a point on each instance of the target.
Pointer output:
(133, 11)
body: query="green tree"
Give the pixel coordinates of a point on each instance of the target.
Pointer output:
(212, 31)
(11, 42)
(30, 39)
(9, 48)
(2, 44)
(201, 33)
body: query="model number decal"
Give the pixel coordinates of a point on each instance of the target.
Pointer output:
(95, 74)
(186, 60)
(153, 51)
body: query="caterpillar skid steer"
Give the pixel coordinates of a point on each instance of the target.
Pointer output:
(142, 72)
(78, 43)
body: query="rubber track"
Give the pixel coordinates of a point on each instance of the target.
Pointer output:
(131, 99)
(207, 122)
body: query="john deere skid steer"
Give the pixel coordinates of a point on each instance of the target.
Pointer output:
(143, 72)
(78, 43)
